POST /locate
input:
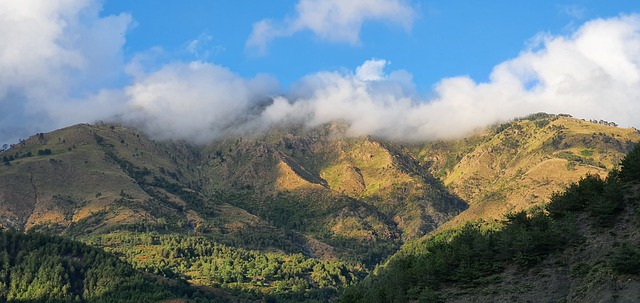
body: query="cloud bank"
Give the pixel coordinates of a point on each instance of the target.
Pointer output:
(593, 73)
(61, 63)
(332, 20)
(196, 101)
(53, 54)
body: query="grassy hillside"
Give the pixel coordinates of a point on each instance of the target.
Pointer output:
(96, 179)
(320, 207)
(360, 195)
(584, 246)
(517, 165)
(86, 181)
(278, 195)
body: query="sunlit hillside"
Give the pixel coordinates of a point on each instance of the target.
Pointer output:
(520, 164)
(292, 212)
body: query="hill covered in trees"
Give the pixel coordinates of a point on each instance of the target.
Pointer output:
(44, 268)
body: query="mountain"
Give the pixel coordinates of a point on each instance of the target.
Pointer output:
(292, 213)
(94, 179)
(318, 183)
(583, 246)
(520, 164)
(296, 193)
(337, 189)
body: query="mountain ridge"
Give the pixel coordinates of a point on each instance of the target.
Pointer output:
(292, 190)
(497, 170)
(303, 163)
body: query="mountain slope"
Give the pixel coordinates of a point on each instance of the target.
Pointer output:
(273, 193)
(517, 165)
(583, 247)
(322, 206)
(329, 186)
(87, 179)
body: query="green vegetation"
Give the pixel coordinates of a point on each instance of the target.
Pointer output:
(541, 119)
(249, 273)
(575, 159)
(465, 256)
(586, 152)
(630, 166)
(626, 259)
(471, 255)
(42, 268)
(601, 199)
(310, 215)
(43, 152)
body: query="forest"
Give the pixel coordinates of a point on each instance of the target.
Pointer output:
(43, 268)
(474, 255)
(250, 274)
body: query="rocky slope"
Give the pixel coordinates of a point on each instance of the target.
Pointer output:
(95, 179)
(312, 191)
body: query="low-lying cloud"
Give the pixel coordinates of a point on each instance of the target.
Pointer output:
(593, 73)
(54, 73)
(197, 101)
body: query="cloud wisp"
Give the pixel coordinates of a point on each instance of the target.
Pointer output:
(331, 20)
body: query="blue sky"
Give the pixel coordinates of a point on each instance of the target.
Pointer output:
(399, 69)
(447, 38)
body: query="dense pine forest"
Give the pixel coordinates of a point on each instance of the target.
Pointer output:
(42, 268)
(250, 274)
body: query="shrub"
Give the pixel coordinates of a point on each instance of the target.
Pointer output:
(630, 166)
(626, 259)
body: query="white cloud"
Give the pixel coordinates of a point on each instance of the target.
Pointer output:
(196, 101)
(371, 70)
(203, 48)
(594, 73)
(54, 53)
(332, 20)
(371, 101)
(59, 59)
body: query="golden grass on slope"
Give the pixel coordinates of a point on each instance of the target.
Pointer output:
(78, 179)
(289, 180)
(526, 162)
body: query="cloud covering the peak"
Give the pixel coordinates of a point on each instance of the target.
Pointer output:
(197, 101)
(593, 73)
(332, 20)
(62, 64)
